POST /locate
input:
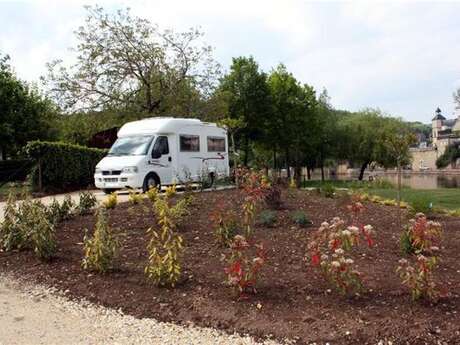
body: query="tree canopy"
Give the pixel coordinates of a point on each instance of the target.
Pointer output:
(126, 62)
(24, 113)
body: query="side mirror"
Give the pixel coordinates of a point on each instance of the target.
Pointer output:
(156, 154)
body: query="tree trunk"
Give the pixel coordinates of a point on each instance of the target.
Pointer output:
(246, 150)
(322, 172)
(363, 168)
(274, 157)
(287, 163)
(308, 173)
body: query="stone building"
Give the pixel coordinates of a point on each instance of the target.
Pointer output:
(444, 133)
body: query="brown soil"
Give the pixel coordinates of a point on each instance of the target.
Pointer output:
(293, 300)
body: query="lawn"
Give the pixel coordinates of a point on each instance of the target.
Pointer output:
(448, 198)
(440, 198)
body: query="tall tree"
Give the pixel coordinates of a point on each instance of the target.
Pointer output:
(292, 121)
(365, 137)
(125, 61)
(24, 113)
(248, 100)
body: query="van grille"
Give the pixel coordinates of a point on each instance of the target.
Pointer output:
(111, 172)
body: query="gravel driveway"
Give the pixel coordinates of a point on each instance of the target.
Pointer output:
(37, 315)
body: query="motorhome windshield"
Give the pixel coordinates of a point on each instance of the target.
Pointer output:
(131, 146)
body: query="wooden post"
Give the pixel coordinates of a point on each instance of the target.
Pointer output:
(399, 194)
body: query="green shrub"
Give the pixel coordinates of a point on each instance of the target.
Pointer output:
(12, 170)
(57, 212)
(102, 248)
(111, 201)
(421, 204)
(166, 244)
(134, 198)
(267, 218)
(36, 227)
(86, 203)
(300, 218)
(11, 235)
(63, 166)
(328, 190)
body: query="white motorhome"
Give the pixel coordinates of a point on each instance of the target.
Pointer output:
(163, 151)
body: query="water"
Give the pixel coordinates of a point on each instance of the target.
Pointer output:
(412, 180)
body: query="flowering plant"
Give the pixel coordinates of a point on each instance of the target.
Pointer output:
(243, 266)
(421, 236)
(328, 251)
(418, 277)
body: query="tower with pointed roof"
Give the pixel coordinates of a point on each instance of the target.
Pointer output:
(436, 124)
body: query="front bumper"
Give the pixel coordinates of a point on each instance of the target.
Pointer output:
(118, 181)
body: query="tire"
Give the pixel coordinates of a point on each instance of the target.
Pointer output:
(109, 191)
(151, 180)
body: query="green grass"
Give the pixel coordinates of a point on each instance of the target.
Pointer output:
(448, 198)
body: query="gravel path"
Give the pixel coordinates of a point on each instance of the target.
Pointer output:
(37, 315)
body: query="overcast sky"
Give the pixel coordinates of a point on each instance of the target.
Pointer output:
(402, 57)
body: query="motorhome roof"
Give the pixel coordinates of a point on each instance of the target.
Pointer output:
(159, 125)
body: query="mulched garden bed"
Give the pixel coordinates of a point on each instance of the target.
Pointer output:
(293, 300)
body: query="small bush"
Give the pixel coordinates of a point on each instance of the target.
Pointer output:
(243, 265)
(134, 198)
(421, 236)
(421, 204)
(102, 248)
(11, 234)
(267, 218)
(328, 190)
(57, 212)
(166, 245)
(226, 225)
(111, 201)
(152, 194)
(41, 232)
(418, 277)
(86, 203)
(273, 197)
(300, 218)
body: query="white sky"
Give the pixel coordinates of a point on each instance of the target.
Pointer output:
(403, 57)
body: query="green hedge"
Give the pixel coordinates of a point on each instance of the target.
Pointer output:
(63, 166)
(14, 170)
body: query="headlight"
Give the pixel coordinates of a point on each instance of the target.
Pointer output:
(97, 171)
(129, 170)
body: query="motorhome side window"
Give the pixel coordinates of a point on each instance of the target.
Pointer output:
(189, 143)
(216, 144)
(161, 146)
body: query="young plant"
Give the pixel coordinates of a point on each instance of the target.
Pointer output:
(300, 218)
(11, 234)
(328, 251)
(273, 197)
(134, 198)
(86, 202)
(328, 190)
(102, 248)
(421, 236)
(243, 265)
(418, 277)
(267, 218)
(166, 245)
(152, 194)
(226, 225)
(58, 212)
(41, 232)
(111, 201)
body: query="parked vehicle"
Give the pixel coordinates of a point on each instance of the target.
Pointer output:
(163, 151)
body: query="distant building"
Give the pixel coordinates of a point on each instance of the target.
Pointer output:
(445, 132)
